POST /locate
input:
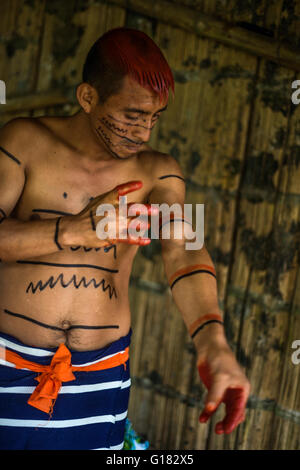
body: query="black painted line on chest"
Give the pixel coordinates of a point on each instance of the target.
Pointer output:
(52, 211)
(56, 328)
(63, 265)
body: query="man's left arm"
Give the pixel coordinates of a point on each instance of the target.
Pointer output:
(192, 278)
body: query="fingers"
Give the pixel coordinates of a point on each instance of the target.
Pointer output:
(235, 402)
(126, 188)
(134, 241)
(135, 209)
(221, 429)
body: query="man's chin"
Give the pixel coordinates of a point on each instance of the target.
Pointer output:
(126, 152)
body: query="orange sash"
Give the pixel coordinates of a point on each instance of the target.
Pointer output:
(60, 370)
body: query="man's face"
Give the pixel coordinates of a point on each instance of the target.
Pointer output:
(125, 121)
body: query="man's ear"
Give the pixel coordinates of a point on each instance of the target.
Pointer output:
(87, 96)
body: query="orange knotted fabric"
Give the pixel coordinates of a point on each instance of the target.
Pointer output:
(50, 381)
(59, 370)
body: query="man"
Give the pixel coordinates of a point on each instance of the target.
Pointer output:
(65, 317)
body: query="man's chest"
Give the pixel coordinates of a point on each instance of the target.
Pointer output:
(63, 184)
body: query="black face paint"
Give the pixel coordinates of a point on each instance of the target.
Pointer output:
(111, 126)
(135, 124)
(108, 143)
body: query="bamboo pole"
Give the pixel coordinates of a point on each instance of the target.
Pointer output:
(36, 101)
(204, 25)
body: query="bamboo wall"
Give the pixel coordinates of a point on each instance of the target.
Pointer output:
(236, 134)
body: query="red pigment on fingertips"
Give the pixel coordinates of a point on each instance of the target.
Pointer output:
(128, 187)
(204, 374)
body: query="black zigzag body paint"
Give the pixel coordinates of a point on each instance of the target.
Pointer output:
(51, 283)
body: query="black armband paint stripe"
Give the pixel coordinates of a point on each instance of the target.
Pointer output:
(174, 220)
(204, 324)
(10, 155)
(56, 233)
(92, 221)
(52, 211)
(190, 274)
(92, 266)
(171, 176)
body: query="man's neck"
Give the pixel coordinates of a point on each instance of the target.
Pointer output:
(84, 139)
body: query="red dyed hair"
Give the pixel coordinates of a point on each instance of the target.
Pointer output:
(126, 51)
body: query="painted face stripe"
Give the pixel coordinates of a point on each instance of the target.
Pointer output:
(200, 321)
(189, 269)
(10, 155)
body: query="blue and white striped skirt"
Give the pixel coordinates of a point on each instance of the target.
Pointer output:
(89, 413)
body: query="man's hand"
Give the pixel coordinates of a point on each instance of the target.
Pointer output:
(226, 383)
(80, 229)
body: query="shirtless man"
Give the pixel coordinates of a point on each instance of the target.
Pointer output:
(64, 292)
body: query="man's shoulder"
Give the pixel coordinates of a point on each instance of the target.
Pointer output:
(159, 163)
(20, 127)
(21, 134)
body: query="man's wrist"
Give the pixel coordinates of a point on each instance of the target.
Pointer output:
(65, 236)
(211, 333)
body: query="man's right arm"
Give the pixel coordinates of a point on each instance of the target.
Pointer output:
(26, 239)
(19, 239)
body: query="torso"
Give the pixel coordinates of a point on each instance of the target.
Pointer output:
(93, 289)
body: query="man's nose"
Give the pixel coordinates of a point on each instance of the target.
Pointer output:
(141, 134)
